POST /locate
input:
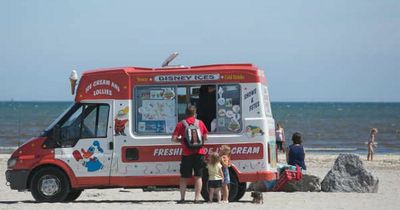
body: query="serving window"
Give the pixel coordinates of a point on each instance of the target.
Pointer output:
(155, 110)
(159, 108)
(228, 108)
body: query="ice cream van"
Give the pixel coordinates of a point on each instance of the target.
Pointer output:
(117, 134)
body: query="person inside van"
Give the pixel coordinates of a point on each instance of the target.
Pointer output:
(207, 105)
(192, 158)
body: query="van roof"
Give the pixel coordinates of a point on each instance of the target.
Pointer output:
(215, 67)
(117, 83)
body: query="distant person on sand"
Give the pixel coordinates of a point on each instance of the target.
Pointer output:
(280, 137)
(192, 159)
(372, 143)
(295, 154)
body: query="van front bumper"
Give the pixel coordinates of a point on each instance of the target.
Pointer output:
(18, 179)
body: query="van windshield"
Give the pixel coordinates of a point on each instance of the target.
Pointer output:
(58, 118)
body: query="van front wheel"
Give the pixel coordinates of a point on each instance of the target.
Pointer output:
(73, 195)
(50, 185)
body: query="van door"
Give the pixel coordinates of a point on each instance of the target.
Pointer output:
(85, 142)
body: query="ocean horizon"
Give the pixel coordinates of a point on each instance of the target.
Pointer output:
(327, 127)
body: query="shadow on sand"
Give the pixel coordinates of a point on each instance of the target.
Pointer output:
(112, 201)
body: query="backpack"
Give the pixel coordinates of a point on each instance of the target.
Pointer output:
(193, 138)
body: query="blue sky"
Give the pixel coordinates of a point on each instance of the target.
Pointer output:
(311, 50)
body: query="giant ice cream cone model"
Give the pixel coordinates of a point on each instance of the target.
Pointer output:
(73, 79)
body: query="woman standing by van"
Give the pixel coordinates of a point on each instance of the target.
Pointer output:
(280, 137)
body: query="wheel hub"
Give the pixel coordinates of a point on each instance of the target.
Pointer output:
(50, 185)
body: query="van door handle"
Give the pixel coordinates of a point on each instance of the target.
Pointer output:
(111, 145)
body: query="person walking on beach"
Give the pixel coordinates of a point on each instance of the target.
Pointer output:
(225, 155)
(192, 158)
(371, 144)
(280, 137)
(295, 154)
(215, 177)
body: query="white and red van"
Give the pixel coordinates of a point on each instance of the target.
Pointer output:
(118, 131)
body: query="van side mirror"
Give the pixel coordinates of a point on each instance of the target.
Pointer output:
(53, 138)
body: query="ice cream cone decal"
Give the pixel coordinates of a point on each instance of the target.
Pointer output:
(73, 78)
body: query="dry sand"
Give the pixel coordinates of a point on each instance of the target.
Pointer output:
(385, 167)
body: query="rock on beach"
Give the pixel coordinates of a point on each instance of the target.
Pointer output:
(349, 175)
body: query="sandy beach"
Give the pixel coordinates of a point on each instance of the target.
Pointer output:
(385, 167)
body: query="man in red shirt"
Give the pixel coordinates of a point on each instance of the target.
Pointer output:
(192, 159)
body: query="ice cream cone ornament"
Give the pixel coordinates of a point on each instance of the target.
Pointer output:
(73, 78)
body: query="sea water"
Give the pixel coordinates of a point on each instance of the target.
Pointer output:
(326, 127)
(341, 127)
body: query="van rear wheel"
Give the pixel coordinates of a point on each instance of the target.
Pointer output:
(241, 190)
(233, 186)
(50, 185)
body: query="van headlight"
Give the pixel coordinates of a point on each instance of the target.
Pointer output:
(11, 162)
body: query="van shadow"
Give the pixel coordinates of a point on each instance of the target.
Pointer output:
(95, 201)
(124, 201)
(14, 202)
(111, 201)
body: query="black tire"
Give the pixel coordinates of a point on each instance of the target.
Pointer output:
(50, 184)
(204, 188)
(73, 195)
(241, 190)
(233, 186)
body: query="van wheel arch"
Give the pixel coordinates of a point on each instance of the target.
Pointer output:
(35, 170)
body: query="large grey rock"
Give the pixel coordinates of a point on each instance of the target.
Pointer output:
(308, 183)
(349, 175)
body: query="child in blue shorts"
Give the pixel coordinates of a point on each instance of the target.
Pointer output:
(225, 154)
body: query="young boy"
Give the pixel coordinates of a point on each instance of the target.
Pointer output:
(225, 154)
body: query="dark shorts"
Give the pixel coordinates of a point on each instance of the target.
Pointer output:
(192, 163)
(280, 145)
(214, 183)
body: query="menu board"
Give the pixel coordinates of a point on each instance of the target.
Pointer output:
(156, 110)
